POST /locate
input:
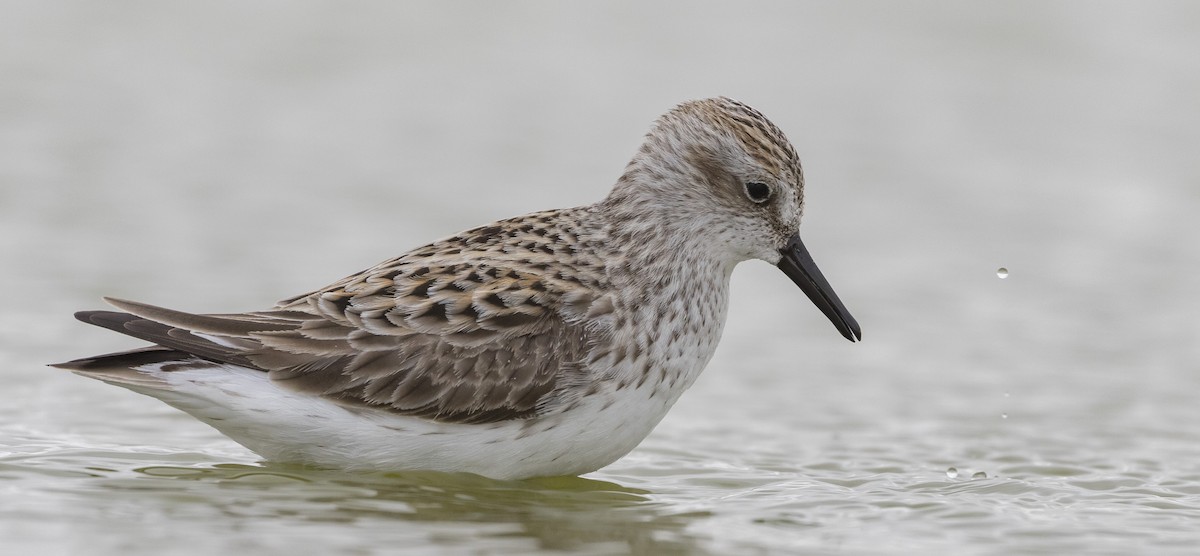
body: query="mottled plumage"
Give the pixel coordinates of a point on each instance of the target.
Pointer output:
(546, 344)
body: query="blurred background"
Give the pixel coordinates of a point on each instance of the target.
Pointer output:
(219, 156)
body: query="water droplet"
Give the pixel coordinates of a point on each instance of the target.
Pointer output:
(1004, 416)
(1002, 273)
(1006, 394)
(952, 473)
(979, 475)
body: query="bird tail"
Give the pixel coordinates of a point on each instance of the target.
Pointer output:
(122, 368)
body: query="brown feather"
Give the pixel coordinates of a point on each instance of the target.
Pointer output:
(457, 343)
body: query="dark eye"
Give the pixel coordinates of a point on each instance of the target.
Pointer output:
(758, 192)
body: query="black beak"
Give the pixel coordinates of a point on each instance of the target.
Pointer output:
(799, 266)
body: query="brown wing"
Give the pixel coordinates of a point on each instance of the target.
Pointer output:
(489, 325)
(453, 344)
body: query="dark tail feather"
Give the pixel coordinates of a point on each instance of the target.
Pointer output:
(122, 368)
(123, 359)
(175, 339)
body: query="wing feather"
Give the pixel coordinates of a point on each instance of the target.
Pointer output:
(493, 324)
(455, 355)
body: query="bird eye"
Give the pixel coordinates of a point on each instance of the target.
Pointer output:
(758, 192)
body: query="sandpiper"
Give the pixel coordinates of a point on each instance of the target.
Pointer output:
(546, 344)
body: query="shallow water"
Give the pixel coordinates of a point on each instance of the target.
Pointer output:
(216, 157)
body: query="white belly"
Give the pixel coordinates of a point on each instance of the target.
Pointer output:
(289, 427)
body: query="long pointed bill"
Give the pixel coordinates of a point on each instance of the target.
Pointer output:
(799, 266)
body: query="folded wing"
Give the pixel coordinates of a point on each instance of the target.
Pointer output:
(463, 344)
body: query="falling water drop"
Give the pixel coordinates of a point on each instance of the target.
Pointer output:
(1004, 416)
(1002, 273)
(979, 475)
(952, 473)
